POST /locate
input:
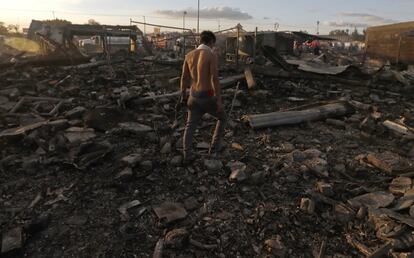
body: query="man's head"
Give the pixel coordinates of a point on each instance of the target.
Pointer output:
(207, 38)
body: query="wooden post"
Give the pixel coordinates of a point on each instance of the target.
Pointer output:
(255, 44)
(237, 46)
(399, 49)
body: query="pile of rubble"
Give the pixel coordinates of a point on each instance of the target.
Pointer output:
(91, 165)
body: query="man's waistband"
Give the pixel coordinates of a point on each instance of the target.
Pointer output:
(202, 94)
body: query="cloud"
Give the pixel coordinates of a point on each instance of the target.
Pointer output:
(224, 12)
(369, 18)
(266, 18)
(345, 24)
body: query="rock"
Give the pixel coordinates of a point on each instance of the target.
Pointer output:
(75, 113)
(276, 247)
(411, 212)
(224, 215)
(177, 238)
(12, 240)
(79, 135)
(343, 213)
(312, 153)
(213, 165)
(317, 166)
(325, 188)
(258, 177)
(166, 148)
(286, 147)
(123, 209)
(389, 162)
(133, 127)
(362, 213)
(203, 145)
(77, 220)
(132, 159)
(307, 205)
(403, 204)
(400, 185)
(238, 175)
(146, 165)
(191, 203)
(176, 160)
(170, 211)
(336, 123)
(237, 146)
(125, 174)
(374, 200)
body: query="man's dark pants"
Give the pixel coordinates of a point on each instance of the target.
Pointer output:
(197, 107)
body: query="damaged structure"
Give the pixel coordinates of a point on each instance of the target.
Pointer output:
(319, 157)
(394, 42)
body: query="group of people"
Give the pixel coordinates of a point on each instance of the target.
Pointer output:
(307, 46)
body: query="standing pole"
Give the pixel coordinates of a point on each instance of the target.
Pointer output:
(198, 17)
(237, 46)
(184, 43)
(317, 27)
(145, 27)
(399, 49)
(255, 44)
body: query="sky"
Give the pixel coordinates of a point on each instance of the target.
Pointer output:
(283, 15)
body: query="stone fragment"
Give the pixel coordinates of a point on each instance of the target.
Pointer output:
(325, 188)
(203, 145)
(238, 175)
(191, 203)
(373, 200)
(125, 174)
(132, 159)
(170, 211)
(317, 166)
(176, 160)
(146, 165)
(389, 162)
(133, 127)
(177, 238)
(343, 213)
(276, 247)
(76, 112)
(79, 135)
(307, 205)
(12, 240)
(213, 165)
(166, 148)
(400, 185)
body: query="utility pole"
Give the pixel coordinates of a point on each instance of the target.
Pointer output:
(198, 17)
(239, 27)
(184, 33)
(54, 17)
(145, 27)
(317, 27)
(219, 26)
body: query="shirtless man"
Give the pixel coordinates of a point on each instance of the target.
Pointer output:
(200, 73)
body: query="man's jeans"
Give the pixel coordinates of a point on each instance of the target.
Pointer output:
(197, 107)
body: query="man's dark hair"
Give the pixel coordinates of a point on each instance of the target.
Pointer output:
(207, 37)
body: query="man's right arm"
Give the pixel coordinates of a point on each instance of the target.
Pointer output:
(185, 80)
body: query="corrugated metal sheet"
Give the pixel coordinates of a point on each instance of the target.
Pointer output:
(391, 42)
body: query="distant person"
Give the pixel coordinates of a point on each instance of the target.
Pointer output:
(200, 73)
(315, 47)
